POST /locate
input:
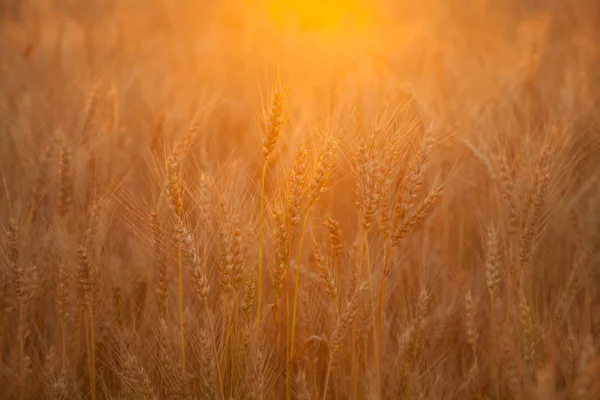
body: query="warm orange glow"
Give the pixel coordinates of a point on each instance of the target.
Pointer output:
(319, 14)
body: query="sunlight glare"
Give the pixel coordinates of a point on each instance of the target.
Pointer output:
(321, 15)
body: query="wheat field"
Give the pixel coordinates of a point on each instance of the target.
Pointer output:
(299, 199)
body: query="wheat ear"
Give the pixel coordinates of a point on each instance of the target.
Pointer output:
(274, 121)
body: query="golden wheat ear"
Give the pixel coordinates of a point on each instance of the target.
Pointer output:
(274, 121)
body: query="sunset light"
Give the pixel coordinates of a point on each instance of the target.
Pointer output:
(300, 199)
(321, 15)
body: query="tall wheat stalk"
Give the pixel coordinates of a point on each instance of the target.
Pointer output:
(402, 218)
(320, 180)
(274, 121)
(492, 266)
(16, 276)
(63, 298)
(175, 196)
(84, 276)
(341, 328)
(369, 184)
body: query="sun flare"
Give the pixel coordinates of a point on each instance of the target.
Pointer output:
(319, 15)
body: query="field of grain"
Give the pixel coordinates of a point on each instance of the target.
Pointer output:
(299, 199)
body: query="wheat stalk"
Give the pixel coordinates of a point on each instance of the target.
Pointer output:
(318, 184)
(274, 121)
(341, 328)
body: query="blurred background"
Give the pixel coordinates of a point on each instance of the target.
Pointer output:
(485, 71)
(454, 56)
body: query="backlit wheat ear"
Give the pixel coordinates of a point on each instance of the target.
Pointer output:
(136, 382)
(492, 271)
(341, 328)
(413, 340)
(118, 305)
(492, 262)
(472, 336)
(569, 290)
(162, 282)
(505, 176)
(38, 192)
(511, 372)
(55, 378)
(482, 158)
(274, 120)
(249, 299)
(174, 187)
(174, 165)
(423, 312)
(385, 196)
(471, 322)
(206, 193)
(85, 276)
(64, 196)
(232, 257)
(369, 182)
(16, 275)
(13, 257)
(174, 194)
(258, 379)
(417, 216)
(199, 280)
(92, 229)
(336, 248)
(528, 333)
(414, 180)
(90, 111)
(297, 184)
(327, 280)
(207, 365)
(322, 173)
(63, 309)
(301, 386)
(532, 214)
(323, 170)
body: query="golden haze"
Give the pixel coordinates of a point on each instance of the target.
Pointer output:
(299, 199)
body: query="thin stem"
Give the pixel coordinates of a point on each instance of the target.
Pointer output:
(383, 284)
(288, 352)
(214, 347)
(63, 336)
(327, 378)
(356, 351)
(354, 363)
(295, 303)
(297, 284)
(92, 353)
(232, 343)
(180, 264)
(87, 345)
(372, 301)
(260, 240)
(383, 289)
(494, 347)
(21, 352)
